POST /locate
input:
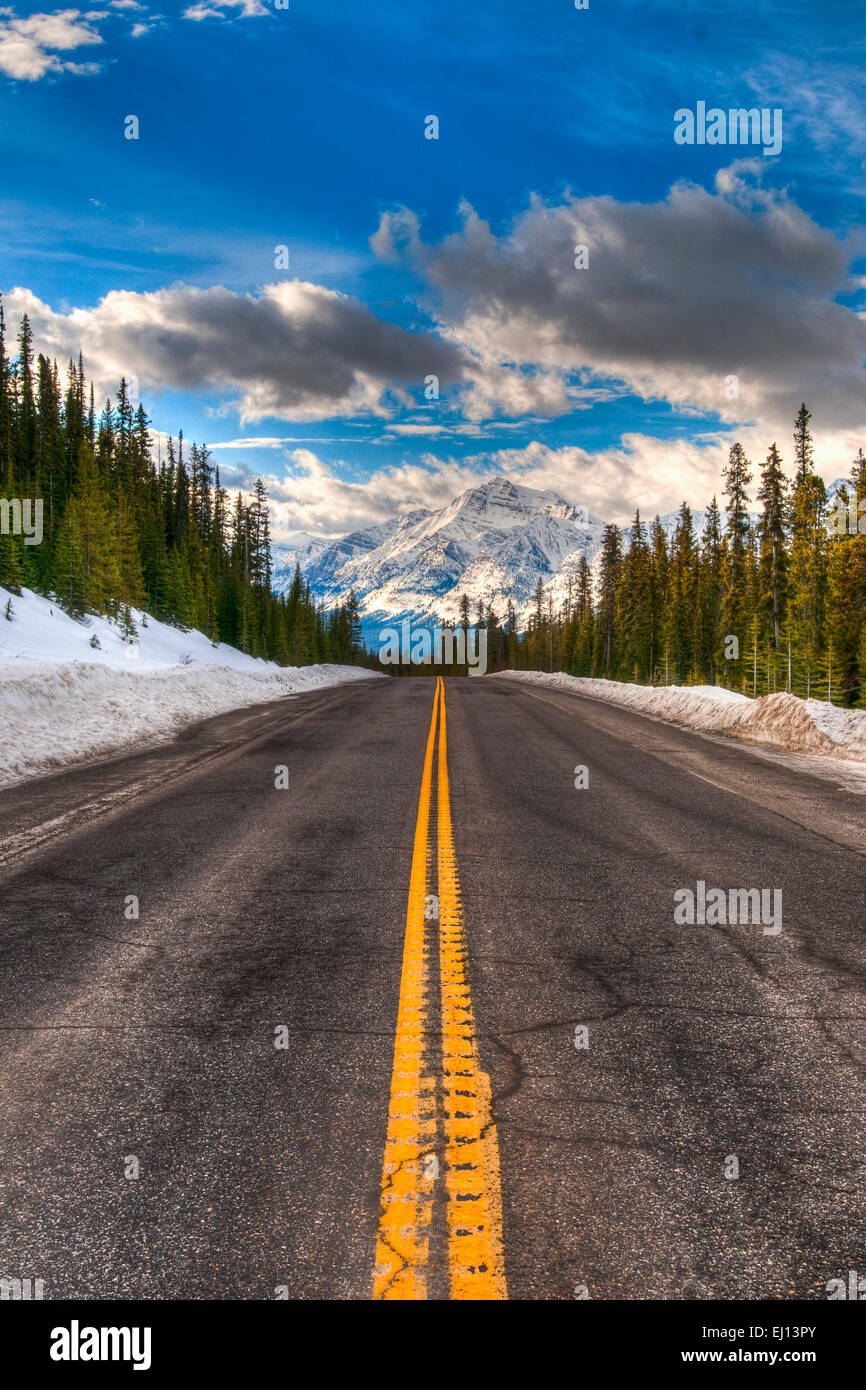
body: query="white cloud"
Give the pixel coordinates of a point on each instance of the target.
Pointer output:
(640, 471)
(679, 296)
(29, 46)
(221, 9)
(297, 351)
(313, 497)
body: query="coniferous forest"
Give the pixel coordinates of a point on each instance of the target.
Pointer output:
(770, 596)
(125, 530)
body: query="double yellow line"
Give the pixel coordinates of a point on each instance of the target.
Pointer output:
(441, 1142)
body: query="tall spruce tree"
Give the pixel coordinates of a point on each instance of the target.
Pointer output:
(772, 535)
(803, 447)
(605, 636)
(735, 600)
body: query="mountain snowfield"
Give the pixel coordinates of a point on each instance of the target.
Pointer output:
(63, 701)
(493, 542)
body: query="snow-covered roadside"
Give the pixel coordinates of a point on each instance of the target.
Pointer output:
(40, 631)
(55, 710)
(781, 721)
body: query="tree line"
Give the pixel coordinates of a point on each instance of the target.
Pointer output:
(122, 530)
(759, 603)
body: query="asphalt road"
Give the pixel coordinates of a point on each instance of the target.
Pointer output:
(261, 1167)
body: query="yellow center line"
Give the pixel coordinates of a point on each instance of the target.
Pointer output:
(475, 1254)
(471, 1160)
(407, 1181)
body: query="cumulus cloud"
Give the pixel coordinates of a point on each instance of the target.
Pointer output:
(722, 302)
(639, 471)
(678, 296)
(297, 351)
(313, 497)
(29, 46)
(220, 9)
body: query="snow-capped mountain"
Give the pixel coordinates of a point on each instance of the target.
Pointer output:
(493, 542)
(304, 551)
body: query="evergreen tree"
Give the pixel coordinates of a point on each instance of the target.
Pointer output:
(709, 636)
(682, 605)
(735, 599)
(635, 606)
(605, 634)
(803, 449)
(773, 556)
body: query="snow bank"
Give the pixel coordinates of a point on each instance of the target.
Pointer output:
(784, 721)
(62, 712)
(55, 710)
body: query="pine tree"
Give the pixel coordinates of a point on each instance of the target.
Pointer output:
(6, 418)
(773, 557)
(11, 568)
(803, 449)
(846, 591)
(102, 578)
(25, 415)
(710, 589)
(658, 579)
(808, 581)
(605, 635)
(68, 571)
(735, 599)
(635, 605)
(353, 627)
(683, 599)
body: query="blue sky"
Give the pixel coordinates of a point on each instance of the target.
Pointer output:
(305, 127)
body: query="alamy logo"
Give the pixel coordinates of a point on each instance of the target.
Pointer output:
(434, 647)
(848, 519)
(22, 517)
(77, 1343)
(742, 907)
(21, 1290)
(854, 1289)
(737, 126)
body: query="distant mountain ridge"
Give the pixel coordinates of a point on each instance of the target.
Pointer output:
(492, 542)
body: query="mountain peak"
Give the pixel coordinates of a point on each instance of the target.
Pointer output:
(494, 541)
(506, 503)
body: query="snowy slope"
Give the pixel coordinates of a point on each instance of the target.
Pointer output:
(325, 558)
(41, 631)
(62, 701)
(304, 551)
